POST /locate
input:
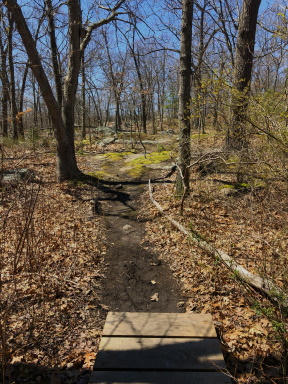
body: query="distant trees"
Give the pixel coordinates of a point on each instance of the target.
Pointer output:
(131, 74)
(114, 68)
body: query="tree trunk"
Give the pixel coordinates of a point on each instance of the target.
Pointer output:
(184, 97)
(21, 101)
(83, 91)
(143, 95)
(13, 104)
(54, 52)
(236, 138)
(5, 86)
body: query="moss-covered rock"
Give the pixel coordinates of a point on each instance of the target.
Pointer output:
(151, 158)
(137, 165)
(114, 156)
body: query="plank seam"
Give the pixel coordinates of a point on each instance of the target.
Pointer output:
(160, 337)
(110, 369)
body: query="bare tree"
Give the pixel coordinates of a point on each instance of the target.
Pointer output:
(62, 118)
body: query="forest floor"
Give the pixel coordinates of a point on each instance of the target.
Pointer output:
(98, 246)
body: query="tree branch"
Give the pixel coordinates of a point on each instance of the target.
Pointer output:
(264, 285)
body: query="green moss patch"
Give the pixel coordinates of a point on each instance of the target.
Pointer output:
(99, 174)
(136, 171)
(137, 165)
(227, 186)
(114, 156)
(151, 158)
(200, 136)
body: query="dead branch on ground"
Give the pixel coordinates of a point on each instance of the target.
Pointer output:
(264, 285)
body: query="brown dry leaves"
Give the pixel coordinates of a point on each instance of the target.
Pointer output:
(50, 267)
(250, 228)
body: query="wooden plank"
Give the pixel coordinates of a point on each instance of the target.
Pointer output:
(159, 353)
(140, 377)
(159, 324)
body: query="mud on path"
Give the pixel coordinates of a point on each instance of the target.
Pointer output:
(135, 278)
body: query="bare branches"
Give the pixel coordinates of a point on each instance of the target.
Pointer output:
(114, 13)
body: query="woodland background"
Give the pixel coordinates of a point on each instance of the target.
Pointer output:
(75, 72)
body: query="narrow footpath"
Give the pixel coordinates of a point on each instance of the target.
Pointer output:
(135, 279)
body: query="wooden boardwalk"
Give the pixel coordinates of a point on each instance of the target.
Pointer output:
(159, 348)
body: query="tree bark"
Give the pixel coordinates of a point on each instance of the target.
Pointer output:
(184, 97)
(236, 137)
(83, 99)
(54, 52)
(21, 101)
(13, 104)
(5, 84)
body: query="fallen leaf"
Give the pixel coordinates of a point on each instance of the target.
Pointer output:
(155, 297)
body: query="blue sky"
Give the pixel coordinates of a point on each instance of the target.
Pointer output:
(265, 4)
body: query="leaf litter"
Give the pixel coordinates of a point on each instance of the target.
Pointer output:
(50, 311)
(49, 276)
(252, 347)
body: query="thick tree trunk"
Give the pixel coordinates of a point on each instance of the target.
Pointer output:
(5, 87)
(236, 137)
(13, 104)
(83, 91)
(184, 97)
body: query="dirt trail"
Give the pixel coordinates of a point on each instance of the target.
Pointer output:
(134, 272)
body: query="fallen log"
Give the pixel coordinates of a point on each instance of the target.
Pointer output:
(264, 285)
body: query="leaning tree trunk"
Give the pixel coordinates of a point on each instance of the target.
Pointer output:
(237, 136)
(184, 97)
(54, 51)
(66, 159)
